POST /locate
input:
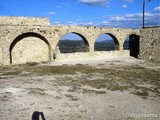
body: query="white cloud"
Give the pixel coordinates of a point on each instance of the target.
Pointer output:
(106, 23)
(89, 23)
(124, 6)
(125, 21)
(72, 23)
(147, 15)
(132, 20)
(133, 17)
(57, 23)
(136, 15)
(157, 8)
(51, 13)
(94, 2)
(86, 24)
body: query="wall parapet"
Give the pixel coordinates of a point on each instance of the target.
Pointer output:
(30, 21)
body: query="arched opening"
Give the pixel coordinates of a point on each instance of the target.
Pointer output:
(132, 43)
(29, 47)
(73, 42)
(106, 42)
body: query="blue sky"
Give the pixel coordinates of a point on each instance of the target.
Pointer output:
(106, 13)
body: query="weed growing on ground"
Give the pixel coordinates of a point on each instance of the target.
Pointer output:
(115, 78)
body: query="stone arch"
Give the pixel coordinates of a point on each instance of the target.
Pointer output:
(116, 42)
(36, 44)
(81, 36)
(133, 44)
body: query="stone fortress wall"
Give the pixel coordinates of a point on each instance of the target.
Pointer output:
(24, 39)
(29, 21)
(150, 43)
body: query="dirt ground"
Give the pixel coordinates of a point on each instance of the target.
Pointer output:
(114, 89)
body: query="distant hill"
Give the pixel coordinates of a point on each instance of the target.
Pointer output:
(126, 45)
(104, 45)
(70, 46)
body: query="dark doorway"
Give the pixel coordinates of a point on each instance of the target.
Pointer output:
(132, 43)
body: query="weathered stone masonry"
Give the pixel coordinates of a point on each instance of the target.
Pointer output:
(150, 43)
(12, 33)
(25, 39)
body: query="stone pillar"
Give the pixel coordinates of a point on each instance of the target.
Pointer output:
(91, 47)
(121, 40)
(121, 46)
(54, 49)
(91, 41)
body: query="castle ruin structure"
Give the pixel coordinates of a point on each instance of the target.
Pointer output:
(24, 39)
(150, 43)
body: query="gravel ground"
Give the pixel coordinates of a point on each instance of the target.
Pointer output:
(114, 89)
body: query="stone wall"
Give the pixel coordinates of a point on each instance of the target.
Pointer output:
(91, 34)
(89, 56)
(24, 39)
(150, 43)
(30, 49)
(19, 35)
(1, 56)
(6, 20)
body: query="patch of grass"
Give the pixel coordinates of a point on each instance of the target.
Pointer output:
(141, 92)
(71, 97)
(6, 97)
(117, 87)
(38, 91)
(88, 91)
(45, 62)
(94, 83)
(32, 63)
(74, 88)
(114, 78)
(11, 73)
(137, 67)
(58, 97)
(155, 89)
(65, 69)
(110, 84)
(93, 91)
(138, 72)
